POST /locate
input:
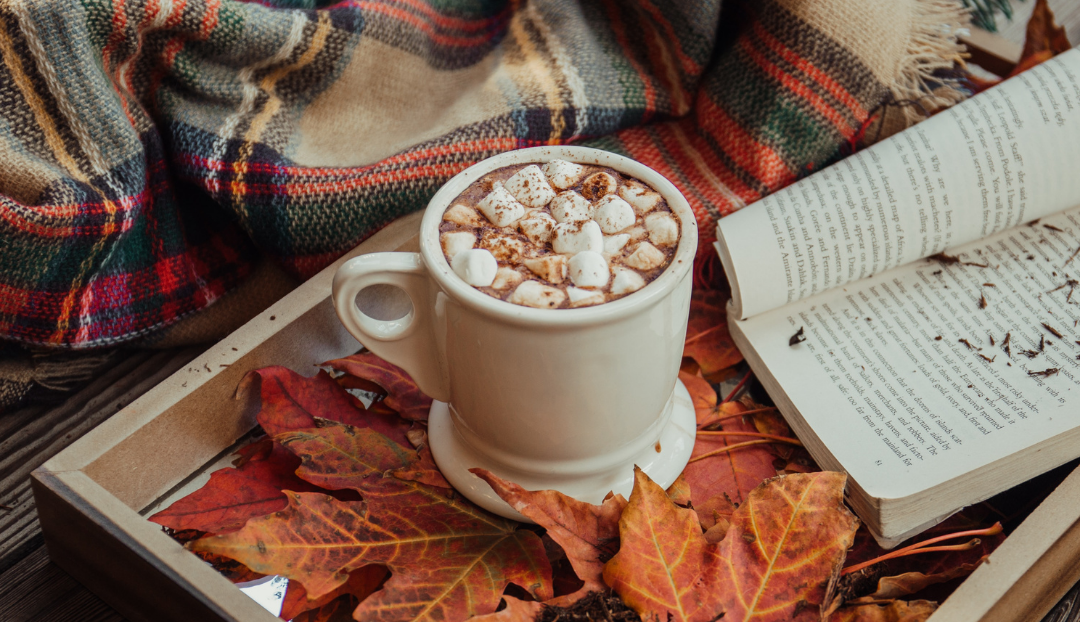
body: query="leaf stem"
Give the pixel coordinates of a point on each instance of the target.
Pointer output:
(744, 413)
(729, 448)
(738, 387)
(924, 546)
(775, 437)
(690, 340)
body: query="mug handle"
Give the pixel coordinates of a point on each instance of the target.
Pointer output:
(408, 342)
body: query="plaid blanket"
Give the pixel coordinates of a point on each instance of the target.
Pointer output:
(152, 150)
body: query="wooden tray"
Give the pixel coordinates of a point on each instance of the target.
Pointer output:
(92, 497)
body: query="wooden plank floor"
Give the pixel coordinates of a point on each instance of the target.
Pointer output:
(32, 588)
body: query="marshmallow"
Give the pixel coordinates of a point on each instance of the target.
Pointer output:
(551, 268)
(598, 185)
(583, 297)
(530, 186)
(613, 214)
(571, 207)
(639, 196)
(537, 226)
(613, 244)
(475, 266)
(453, 242)
(637, 233)
(506, 249)
(506, 278)
(663, 230)
(589, 269)
(563, 174)
(645, 257)
(625, 281)
(462, 215)
(501, 208)
(570, 238)
(535, 294)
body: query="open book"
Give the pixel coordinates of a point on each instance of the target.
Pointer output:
(914, 310)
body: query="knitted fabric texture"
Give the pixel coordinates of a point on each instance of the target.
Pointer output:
(151, 149)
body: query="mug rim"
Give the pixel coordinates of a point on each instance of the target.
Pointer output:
(439, 268)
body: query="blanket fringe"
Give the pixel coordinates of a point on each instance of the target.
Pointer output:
(933, 47)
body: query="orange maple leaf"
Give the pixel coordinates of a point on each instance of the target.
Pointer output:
(449, 559)
(784, 544)
(664, 568)
(589, 534)
(720, 483)
(707, 338)
(361, 583)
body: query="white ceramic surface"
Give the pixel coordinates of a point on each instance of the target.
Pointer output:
(567, 399)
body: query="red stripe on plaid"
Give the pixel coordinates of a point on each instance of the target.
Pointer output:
(756, 159)
(368, 182)
(805, 66)
(427, 28)
(797, 87)
(689, 166)
(475, 146)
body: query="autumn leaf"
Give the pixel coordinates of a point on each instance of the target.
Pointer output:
(338, 610)
(402, 393)
(448, 558)
(360, 584)
(1043, 40)
(707, 338)
(912, 582)
(784, 543)
(664, 568)
(589, 534)
(234, 495)
(721, 483)
(679, 491)
(895, 611)
(293, 402)
(516, 611)
(701, 394)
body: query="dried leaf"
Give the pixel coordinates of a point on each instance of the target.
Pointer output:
(589, 534)
(448, 558)
(1043, 40)
(234, 495)
(338, 610)
(361, 583)
(702, 395)
(911, 582)
(721, 483)
(402, 393)
(425, 471)
(896, 611)
(664, 568)
(293, 402)
(783, 545)
(516, 611)
(679, 491)
(707, 338)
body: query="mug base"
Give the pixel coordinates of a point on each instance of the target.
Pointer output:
(662, 461)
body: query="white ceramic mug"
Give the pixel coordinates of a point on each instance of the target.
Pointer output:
(564, 399)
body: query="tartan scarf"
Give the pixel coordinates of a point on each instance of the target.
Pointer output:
(152, 150)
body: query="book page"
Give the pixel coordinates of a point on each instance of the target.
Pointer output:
(929, 371)
(999, 159)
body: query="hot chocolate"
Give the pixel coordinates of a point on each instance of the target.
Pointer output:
(558, 234)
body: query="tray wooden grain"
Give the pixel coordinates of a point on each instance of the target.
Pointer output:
(90, 496)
